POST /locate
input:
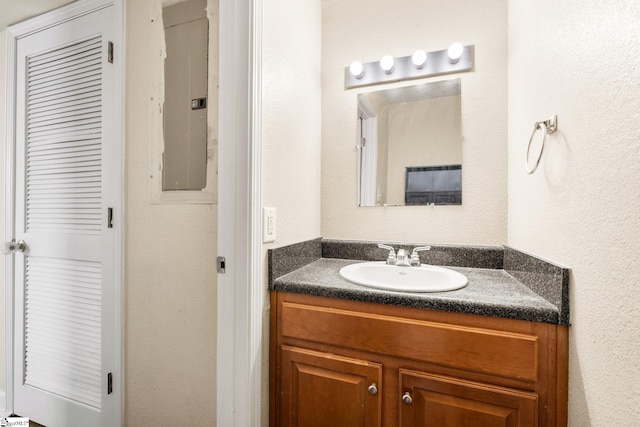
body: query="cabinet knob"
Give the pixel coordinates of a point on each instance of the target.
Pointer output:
(406, 398)
(373, 389)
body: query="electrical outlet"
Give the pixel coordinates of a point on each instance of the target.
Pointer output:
(269, 225)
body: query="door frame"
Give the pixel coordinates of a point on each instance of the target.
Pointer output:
(367, 155)
(14, 33)
(241, 290)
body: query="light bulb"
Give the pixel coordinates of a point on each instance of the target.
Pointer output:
(455, 52)
(356, 69)
(386, 63)
(419, 58)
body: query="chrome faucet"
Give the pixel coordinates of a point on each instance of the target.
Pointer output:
(401, 258)
(391, 258)
(415, 258)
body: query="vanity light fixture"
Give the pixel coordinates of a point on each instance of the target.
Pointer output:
(419, 59)
(421, 64)
(386, 63)
(455, 52)
(356, 69)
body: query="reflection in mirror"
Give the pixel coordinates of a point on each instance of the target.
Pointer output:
(410, 145)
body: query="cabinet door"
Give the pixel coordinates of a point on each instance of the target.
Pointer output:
(325, 390)
(433, 400)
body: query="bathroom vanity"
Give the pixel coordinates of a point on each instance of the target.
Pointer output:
(491, 354)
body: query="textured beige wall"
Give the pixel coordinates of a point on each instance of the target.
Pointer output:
(581, 61)
(170, 282)
(368, 29)
(291, 90)
(290, 132)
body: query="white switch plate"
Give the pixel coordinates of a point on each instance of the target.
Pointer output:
(269, 225)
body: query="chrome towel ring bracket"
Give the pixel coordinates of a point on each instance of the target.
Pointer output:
(548, 127)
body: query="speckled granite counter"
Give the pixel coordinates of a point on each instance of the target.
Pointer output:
(313, 268)
(489, 292)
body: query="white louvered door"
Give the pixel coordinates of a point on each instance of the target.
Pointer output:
(63, 189)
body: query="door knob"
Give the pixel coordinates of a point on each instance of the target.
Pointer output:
(9, 248)
(406, 398)
(373, 389)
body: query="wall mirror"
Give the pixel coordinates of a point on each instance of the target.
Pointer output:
(410, 145)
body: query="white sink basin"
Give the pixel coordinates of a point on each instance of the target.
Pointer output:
(426, 278)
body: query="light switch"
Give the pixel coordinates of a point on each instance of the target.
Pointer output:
(269, 225)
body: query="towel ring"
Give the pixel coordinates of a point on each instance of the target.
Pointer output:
(548, 127)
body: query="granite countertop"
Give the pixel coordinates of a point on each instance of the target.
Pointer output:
(490, 292)
(503, 281)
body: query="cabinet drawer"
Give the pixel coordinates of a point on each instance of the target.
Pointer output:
(506, 354)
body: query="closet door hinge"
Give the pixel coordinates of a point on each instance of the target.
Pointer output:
(110, 53)
(109, 383)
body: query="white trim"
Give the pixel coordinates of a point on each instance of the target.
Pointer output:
(368, 154)
(257, 288)
(369, 162)
(240, 290)
(119, 184)
(14, 33)
(9, 204)
(365, 109)
(3, 411)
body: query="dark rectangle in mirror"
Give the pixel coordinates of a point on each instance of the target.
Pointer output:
(433, 185)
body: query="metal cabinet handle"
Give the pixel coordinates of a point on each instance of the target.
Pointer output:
(406, 398)
(373, 389)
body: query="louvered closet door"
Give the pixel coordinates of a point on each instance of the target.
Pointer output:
(62, 163)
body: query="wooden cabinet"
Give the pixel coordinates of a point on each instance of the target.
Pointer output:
(433, 400)
(322, 389)
(341, 363)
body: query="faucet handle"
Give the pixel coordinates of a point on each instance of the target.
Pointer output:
(391, 258)
(415, 258)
